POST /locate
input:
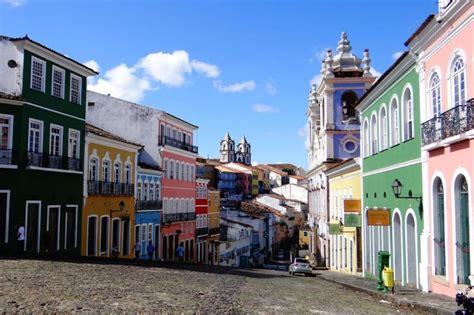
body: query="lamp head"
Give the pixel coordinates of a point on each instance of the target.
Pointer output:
(397, 188)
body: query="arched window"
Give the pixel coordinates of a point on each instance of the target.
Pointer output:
(117, 172)
(106, 171)
(139, 190)
(178, 168)
(348, 101)
(128, 173)
(458, 81)
(438, 228)
(93, 174)
(157, 191)
(145, 191)
(383, 129)
(171, 170)
(373, 134)
(394, 122)
(152, 190)
(366, 139)
(408, 125)
(435, 95)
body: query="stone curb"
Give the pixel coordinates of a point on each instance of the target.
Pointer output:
(393, 299)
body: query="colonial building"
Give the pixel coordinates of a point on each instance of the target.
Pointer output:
(168, 144)
(42, 114)
(214, 219)
(443, 44)
(109, 191)
(333, 126)
(229, 153)
(148, 207)
(202, 219)
(390, 115)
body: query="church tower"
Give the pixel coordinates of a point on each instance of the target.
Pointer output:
(227, 149)
(243, 154)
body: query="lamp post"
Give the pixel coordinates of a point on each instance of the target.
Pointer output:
(397, 187)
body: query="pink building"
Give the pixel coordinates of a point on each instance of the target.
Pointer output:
(444, 46)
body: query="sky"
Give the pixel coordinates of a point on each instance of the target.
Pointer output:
(239, 66)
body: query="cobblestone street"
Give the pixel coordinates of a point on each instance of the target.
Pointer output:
(38, 286)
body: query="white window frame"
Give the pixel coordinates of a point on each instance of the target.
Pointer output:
(58, 69)
(146, 190)
(408, 113)
(150, 234)
(383, 142)
(374, 143)
(394, 121)
(152, 190)
(61, 138)
(143, 234)
(139, 190)
(57, 223)
(109, 170)
(74, 76)
(119, 169)
(38, 236)
(7, 214)
(97, 165)
(458, 55)
(10, 125)
(78, 144)
(437, 90)
(128, 173)
(75, 207)
(41, 132)
(43, 77)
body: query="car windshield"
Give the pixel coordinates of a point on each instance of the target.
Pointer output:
(301, 260)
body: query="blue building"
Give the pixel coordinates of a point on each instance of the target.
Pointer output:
(148, 209)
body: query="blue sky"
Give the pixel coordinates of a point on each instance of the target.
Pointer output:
(238, 66)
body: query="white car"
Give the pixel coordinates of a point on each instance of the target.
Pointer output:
(300, 265)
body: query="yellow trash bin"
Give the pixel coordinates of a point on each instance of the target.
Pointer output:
(387, 276)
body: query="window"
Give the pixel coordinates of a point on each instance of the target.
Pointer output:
(4, 215)
(117, 172)
(150, 232)
(408, 126)
(167, 169)
(145, 191)
(152, 191)
(76, 89)
(6, 138)
(38, 74)
(35, 141)
(57, 87)
(139, 191)
(435, 95)
(157, 191)
(171, 169)
(458, 84)
(128, 173)
(373, 134)
(394, 122)
(104, 234)
(74, 138)
(93, 174)
(143, 232)
(383, 129)
(348, 100)
(178, 166)
(106, 171)
(55, 143)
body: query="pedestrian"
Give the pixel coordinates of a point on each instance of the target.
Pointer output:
(150, 250)
(20, 238)
(180, 251)
(137, 248)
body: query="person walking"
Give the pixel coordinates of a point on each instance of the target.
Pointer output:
(137, 248)
(20, 238)
(150, 250)
(180, 252)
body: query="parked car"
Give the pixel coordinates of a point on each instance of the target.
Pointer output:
(300, 265)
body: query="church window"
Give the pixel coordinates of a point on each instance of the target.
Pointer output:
(348, 101)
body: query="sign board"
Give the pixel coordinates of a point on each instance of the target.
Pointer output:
(352, 205)
(352, 220)
(378, 217)
(335, 228)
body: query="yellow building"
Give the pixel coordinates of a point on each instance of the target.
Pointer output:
(214, 218)
(109, 189)
(344, 214)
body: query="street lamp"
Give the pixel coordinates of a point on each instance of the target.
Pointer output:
(397, 188)
(397, 191)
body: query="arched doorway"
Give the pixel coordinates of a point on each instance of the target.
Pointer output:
(462, 230)
(397, 247)
(165, 248)
(411, 256)
(438, 228)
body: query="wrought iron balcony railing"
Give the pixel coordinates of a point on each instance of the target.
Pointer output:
(164, 140)
(53, 161)
(149, 205)
(109, 189)
(6, 156)
(452, 122)
(176, 217)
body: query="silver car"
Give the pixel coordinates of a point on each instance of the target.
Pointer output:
(301, 265)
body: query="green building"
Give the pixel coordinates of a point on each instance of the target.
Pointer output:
(42, 121)
(390, 119)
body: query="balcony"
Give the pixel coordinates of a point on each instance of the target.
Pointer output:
(453, 122)
(95, 188)
(202, 231)
(53, 161)
(214, 231)
(148, 204)
(178, 144)
(5, 156)
(177, 217)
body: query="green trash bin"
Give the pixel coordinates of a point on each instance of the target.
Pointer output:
(384, 261)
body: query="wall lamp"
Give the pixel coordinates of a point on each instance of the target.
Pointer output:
(397, 191)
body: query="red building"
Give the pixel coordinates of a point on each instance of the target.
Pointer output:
(202, 226)
(178, 186)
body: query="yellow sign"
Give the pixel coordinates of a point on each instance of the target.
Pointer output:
(352, 205)
(378, 217)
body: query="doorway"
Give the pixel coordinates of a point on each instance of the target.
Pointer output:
(32, 226)
(91, 236)
(157, 241)
(51, 237)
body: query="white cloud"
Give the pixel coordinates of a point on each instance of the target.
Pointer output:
(122, 82)
(264, 108)
(236, 87)
(169, 69)
(13, 3)
(319, 55)
(315, 80)
(303, 132)
(374, 72)
(397, 55)
(270, 87)
(210, 71)
(92, 64)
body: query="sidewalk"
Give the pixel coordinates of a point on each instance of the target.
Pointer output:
(428, 302)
